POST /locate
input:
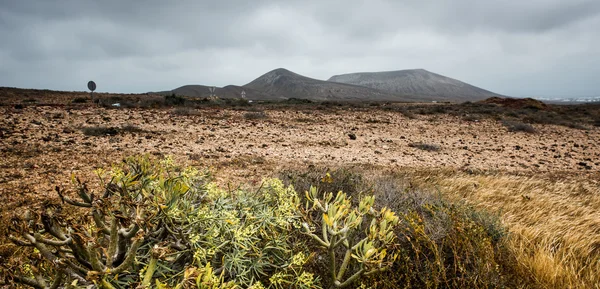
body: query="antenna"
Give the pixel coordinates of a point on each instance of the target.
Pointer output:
(92, 87)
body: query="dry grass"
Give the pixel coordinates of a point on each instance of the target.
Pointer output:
(554, 225)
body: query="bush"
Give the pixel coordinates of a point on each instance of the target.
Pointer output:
(367, 249)
(130, 128)
(327, 180)
(174, 100)
(158, 225)
(515, 126)
(79, 100)
(425, 146)
(185, 111)
(440, 244)
(100, 131)
(253, 115)
(111, 131)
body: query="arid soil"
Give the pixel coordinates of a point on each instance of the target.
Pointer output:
(41, 146)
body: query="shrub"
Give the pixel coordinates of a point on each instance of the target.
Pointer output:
(326, 180)
(79, 100)
(425, 146)
(130, 128)
(252, 115)
(367, 249)
(174, 100)
(100, 131)
(157, 223)
(515, 126)
(471, 117)
(186, 111)
(440, 244)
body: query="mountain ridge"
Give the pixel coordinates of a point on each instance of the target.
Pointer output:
(283, 84)
(411, 85)
(418, 82)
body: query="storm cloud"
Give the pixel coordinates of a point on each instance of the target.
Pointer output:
(517, 48)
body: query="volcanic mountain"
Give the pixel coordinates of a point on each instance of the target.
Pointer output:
(418, 83)
(229, 91)
(284, 84)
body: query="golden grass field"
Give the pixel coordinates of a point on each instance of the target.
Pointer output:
(549, 204)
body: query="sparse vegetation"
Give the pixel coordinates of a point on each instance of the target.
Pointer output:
(100, 130)
(130, 128)
(79, 100)
(574, 116)
(253, 115)
(111, 130)
(185, 111)
(425, 146)
(174, 100)
(515, 126)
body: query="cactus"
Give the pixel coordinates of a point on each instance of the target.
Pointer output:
(341, 227)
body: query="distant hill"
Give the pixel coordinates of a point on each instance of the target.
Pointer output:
(283, 84)
(229, 91)
(418, 83)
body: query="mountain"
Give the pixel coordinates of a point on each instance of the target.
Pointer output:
(283, 84)
(419, 83)
(229, 91)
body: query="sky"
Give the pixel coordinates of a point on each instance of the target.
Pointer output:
(544, 48)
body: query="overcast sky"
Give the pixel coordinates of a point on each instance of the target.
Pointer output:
(512, 47)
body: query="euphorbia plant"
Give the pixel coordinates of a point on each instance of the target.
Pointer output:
(341, 226)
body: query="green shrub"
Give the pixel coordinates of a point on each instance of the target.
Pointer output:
(364, 235)
(440, 244)
(159, 225)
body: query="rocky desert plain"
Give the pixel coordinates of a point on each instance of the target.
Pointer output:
(544, 184)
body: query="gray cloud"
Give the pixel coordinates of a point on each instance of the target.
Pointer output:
(537, 47)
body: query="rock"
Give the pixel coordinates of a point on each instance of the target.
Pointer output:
(585, 165)
(352, 136)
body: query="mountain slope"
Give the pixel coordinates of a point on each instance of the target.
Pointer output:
(416, 82)
(229, 91)
(282, 84)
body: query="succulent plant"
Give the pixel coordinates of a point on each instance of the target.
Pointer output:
(135, 218)
(341, 226)
(157, 225)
